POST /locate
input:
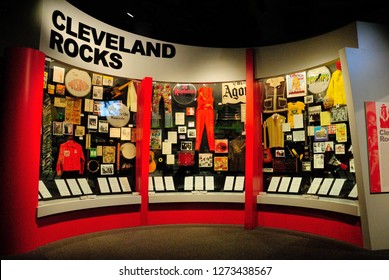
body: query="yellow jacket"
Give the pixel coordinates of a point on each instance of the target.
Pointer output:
(335, 89)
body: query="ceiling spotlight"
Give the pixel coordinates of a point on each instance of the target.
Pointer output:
(130, 14)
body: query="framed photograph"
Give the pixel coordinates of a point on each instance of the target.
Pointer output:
(190, 111)
(57, 128)
(182, 136)
(280, 153)
(97, 79)
(60, 89)
(103, 126)
(288, 137)
(296, 84)
(98, 92)
(109, 153)
(339, 114)
(125, 133)
(107, 169)
(67, 128)
(308, 99)
(205, 160)
(187, 145)
(306, 166)
(192, 133)
(107, 81)
(79, 131)
(58, 74)
(340, 149)
(182, 129)
(92, 122)
(191, 124)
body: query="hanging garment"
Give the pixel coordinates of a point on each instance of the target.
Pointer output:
(236, 154)
(272, 129)
(205, 117)
(71, 157)
(294, 108)
(275, 100)
(163, 91)
(336, 90)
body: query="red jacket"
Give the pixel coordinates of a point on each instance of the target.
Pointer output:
(70, 158)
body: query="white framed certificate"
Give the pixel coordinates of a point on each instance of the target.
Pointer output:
(229, 183)
(114, 184)
(126, 187)
(295, 185)
(169, 183)
(83, 182)
(239, 183)
(43, 191)
(274, 184)
(103, 185)
(188, 183)
(158, 183)
(284, 185)
(209, 183)
(62, 187)
(199, 183)
(315, 185)
(325, 186)
(73, 186)
(337, 186)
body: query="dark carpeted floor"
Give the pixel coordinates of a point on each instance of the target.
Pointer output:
(200, 242)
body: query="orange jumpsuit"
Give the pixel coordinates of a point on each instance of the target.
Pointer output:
(205, 116)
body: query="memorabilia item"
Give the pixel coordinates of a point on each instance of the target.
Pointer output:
(318, 79)
(164, 92)
(339, 114)
(186, 145)
(205, 160)
(78, 82)
(220, 163)
(118, 114)
(57, 128)
(125, 133)
(191, 133)
(103, 126)
(67, 128)
(73, 110)
(107, 169)
(205, 118)
(335, 162)
(341, 132)
(336, 90)
(58, 74)
(116, 91)
(92, 122)
(221, 146)
(98, 92)
(267, 156)
(70, 158)
(93, 166)
(184, 94)
(156, 138)
(294, 108)
(186, 158)
(296, 85)
(273, 135)
(97, 79)
(107, 80)
(109, 153)
(274, 97)
(60, 89)
(152, 163)
(233, 93)
(320, 133)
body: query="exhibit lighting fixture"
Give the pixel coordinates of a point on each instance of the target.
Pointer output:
(130, 14)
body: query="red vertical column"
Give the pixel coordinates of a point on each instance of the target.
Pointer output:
(143, 124)
(21, 115)
(254, 180)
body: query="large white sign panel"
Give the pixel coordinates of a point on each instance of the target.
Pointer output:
(73, 37)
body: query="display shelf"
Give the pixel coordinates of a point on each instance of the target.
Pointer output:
(51, 207)
(196, 197)
(338, 205)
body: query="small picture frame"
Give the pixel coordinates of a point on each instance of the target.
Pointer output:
(320, 133)
(79, 131)
(221, 145)
(340, 149)
(57, 128)
(103, 126)
(339, 114)
(181, 129)
(220, 163)
(92, 122)
(192, 133)
(67, 128)
(186, 145)
(308, 99)
(107, 169)
(190, 111)
(205, 160)
(98, 92)
(97, 79)
(191, 124)
(125, 134)
(306, 166)
(280, 153)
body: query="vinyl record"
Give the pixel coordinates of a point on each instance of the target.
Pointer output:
(318, 79)
(128, 150)
(78, 83)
